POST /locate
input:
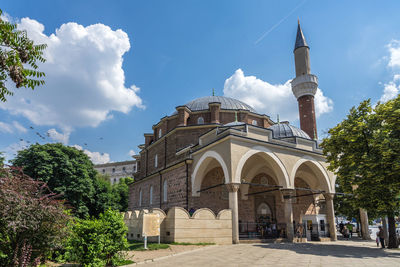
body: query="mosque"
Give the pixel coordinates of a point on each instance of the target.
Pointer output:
(219, 153)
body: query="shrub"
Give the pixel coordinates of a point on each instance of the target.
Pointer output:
(32, 221)
(97, 242)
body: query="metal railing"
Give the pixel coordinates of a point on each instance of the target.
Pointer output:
(253, 230)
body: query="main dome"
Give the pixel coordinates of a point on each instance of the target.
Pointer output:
(226, 103)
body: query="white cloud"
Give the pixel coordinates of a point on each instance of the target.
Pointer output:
(5, 127)
(58, 137)
(394, 50)
(19, 127)
(85, 81)
(10, 128)
(11, 150)
(95, 157)
(271, 99)
(131, 153)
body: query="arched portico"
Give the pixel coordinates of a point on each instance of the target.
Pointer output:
(207, 161)
(270, 160)
(314, 198)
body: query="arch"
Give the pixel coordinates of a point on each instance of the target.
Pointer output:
(264, 209)
(200, 120)
(201, 168)
(277, 165)
(204, 213)
(317, 168)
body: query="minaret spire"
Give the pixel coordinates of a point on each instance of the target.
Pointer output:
(305, 85)
(300, 39)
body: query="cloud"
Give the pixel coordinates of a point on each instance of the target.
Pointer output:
(10, 128)
(271, 99)
(131, 153)
(391, 89)
(11, 150)
(85, 81)
(5, 127)
(58, 137)
(95, 157)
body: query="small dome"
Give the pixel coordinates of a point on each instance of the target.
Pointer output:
(284, 130)
(226, 103)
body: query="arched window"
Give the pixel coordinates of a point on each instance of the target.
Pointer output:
(159, 133)
(151, 195)
(156, 161)
(113, 170)
(200, 120)
(165, 191)
(254, 122)
(115, 180)
(140, 197)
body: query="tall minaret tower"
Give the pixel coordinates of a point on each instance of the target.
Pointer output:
(304, 86)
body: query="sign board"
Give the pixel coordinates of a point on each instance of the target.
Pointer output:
(151, 224)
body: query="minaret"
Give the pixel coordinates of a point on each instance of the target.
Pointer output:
(304, 86)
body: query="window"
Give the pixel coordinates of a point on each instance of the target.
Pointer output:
(159, 133)
(134, 168)
(123, 168)
(200, 120)
(140, 197)
(151, 195)
(254, 122)
(165, 191)
(115, 180)
(113, 170)
(155, 161)
(104, 171)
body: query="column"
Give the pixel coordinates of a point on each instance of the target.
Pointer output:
(330, 215)
(287, 195)
(233, 205)
(364, 224)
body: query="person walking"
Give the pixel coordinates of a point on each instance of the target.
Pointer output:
(381, 235)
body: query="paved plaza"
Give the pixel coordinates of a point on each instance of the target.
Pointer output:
(340, 253)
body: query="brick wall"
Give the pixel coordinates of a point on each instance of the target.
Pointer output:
(307, 115)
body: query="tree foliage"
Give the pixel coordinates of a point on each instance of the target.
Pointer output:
(18, 59)
(32, 220)
(98, 242)
(364, 151)
(66, 170)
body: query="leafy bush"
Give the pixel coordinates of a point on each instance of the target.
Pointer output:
(32, 221)
(97, 242)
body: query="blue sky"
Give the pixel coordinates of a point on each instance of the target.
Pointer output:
(116, 67)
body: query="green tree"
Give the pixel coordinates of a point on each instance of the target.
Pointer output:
(98, 242)
(364, 151)
(18, 59)
(32, 221)
(66, 170)
(121, 193)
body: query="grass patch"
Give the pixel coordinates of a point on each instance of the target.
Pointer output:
(139, 246)
(193, 244)
(124, 262)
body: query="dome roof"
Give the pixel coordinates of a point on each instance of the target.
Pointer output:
(226, 103)
(283, 130)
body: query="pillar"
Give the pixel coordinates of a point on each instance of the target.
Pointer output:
(330, 215)
(287, 195)
(233, 205)
(364, 224)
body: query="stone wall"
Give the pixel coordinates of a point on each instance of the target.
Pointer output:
(178, 226)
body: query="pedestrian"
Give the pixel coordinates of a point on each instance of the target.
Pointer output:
(377, 240)
(341, 226)
(345, 232)
(350, 227)
(381, 235)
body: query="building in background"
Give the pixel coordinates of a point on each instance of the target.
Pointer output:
(117, 170)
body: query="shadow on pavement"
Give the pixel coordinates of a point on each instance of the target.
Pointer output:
(346, 248)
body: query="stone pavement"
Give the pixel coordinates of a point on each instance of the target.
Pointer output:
(339, 253)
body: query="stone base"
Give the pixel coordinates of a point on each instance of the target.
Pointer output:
(273, 241)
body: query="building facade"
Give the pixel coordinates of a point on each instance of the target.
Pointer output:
(220, 153)
(117, 170)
